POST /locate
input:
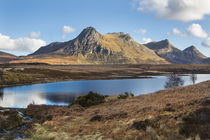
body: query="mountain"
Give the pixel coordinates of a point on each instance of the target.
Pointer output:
(193, 53)
(166, 50)
(6, 57)
(91, 47)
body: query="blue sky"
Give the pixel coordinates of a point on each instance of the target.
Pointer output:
(27, 24)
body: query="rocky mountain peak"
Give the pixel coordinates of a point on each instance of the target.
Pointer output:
(126, 37)
(123, 35)
(87, 37)
(194, 52)
(191, 48)
(165, 42)
(88, 32)
(165, 49)
(163, 45)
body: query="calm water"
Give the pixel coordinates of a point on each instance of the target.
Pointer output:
(61, 93)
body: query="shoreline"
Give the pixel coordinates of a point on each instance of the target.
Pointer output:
(135, 115)
(38, 74)
(69, 80)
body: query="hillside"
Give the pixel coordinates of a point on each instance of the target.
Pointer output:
(6, 57)
(166, 50)
(174, 114)
(91, 47)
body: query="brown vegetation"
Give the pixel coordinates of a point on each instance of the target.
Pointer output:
(42, 73)
(176, 113)
(9, 120)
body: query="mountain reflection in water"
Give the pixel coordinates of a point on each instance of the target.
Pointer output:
(62, 98)
(1, 94)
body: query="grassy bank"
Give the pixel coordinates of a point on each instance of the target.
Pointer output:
(21, 74)
(177, 113)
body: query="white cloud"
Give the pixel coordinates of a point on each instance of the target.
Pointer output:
(24, 44)
(182, 10)
(140, 31)
(177, 32)
(35, 35)
(146, 40)
(66, 30)
(206, 42)
(197, 31)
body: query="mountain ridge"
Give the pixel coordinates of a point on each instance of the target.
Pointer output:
(91, 47)
(166, 50)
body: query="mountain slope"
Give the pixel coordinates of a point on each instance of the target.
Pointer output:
(193, 53)
(91, 47)
(173, 55)
(6, 57)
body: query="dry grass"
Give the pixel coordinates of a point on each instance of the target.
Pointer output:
(160, 115)
(132, 50)
(54, 60)
(53, 73)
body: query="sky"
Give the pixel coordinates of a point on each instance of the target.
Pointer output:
(26, 25)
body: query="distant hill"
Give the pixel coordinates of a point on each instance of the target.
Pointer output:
(166, 50)
(6, 57)
(91, 47)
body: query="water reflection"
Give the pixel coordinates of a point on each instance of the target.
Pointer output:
(22, 100)
(193, 77)
(63, 93)
(174, 80)
(1, 95)
(62, 98)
